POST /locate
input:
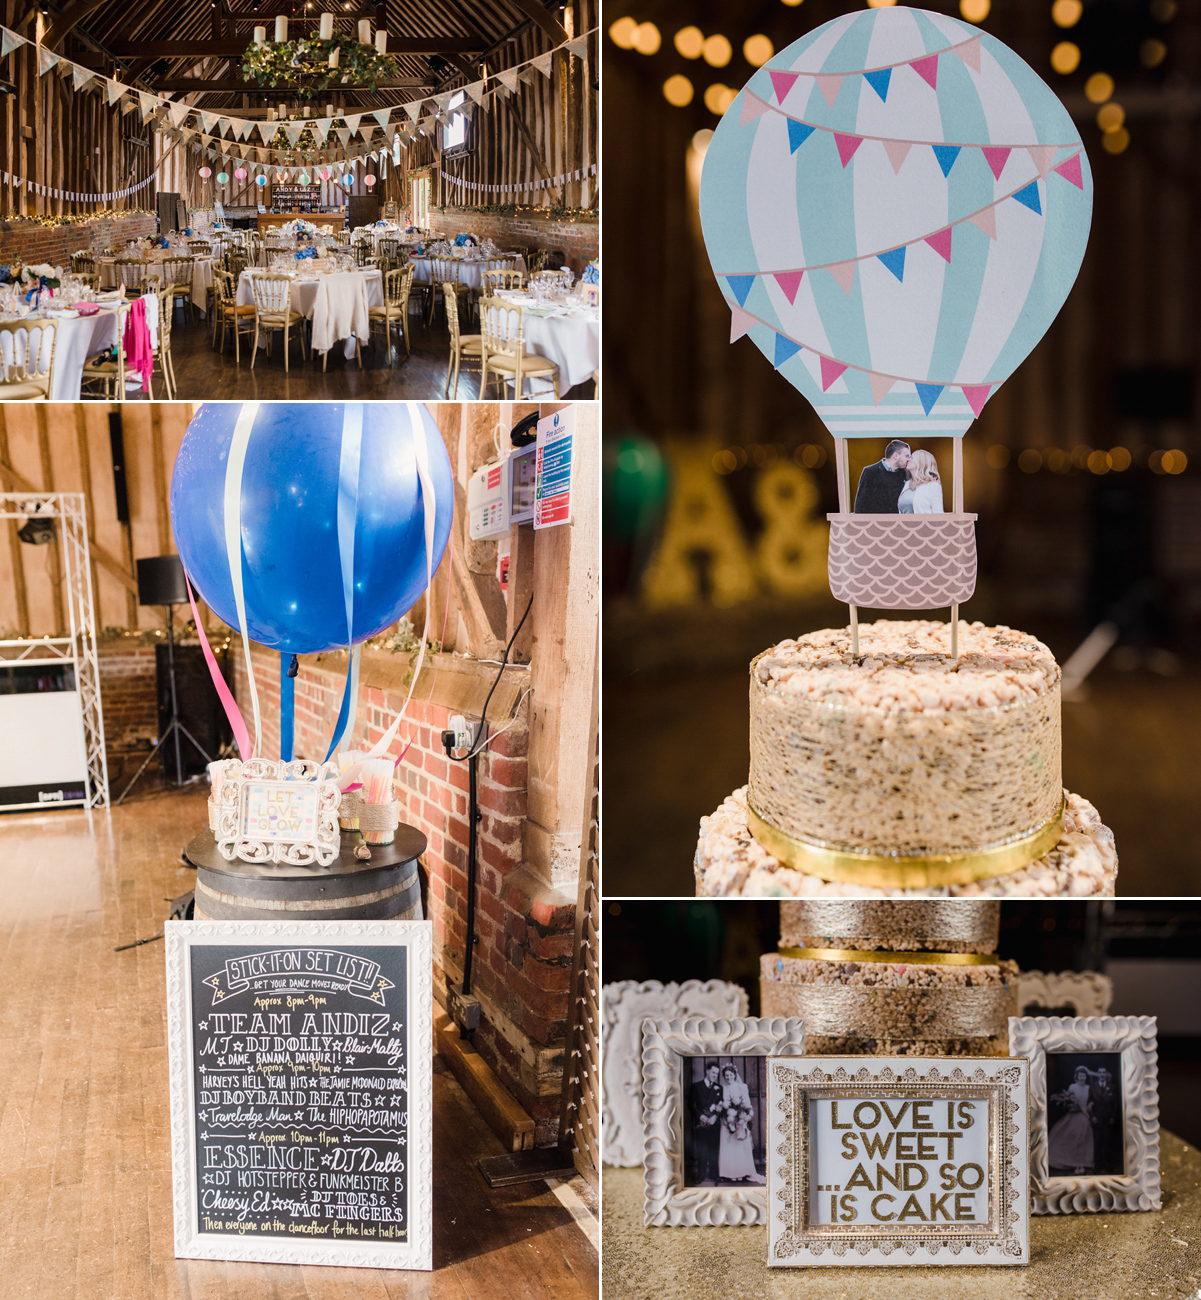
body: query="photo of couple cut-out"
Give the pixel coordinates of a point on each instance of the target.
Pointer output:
(724, 1114)
(1084, 1114)
(902, 482)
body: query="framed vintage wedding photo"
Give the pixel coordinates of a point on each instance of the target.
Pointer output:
(1094, 1111)
(704, 1091)
(897, 1160)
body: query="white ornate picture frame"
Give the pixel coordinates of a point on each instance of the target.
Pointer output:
(1134, 1038)
(1087, 992)
(666, 1046)
(626, 1003)
(989, 1224)
(310, 791)
(384, 1132)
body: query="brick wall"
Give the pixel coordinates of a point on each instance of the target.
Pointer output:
(580, 240)
(128, 698)
(27, 241)
(521, 970)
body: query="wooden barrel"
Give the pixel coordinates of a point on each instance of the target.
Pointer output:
(385, 888)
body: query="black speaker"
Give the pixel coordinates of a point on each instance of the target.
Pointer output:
(161, 581)
(200, 710)
(116, 442)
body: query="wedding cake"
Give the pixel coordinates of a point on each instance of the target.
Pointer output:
(906, 771)
(892, 978)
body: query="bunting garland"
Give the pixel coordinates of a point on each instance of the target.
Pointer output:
(521, 187)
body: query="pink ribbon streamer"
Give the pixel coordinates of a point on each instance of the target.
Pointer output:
(228, 703)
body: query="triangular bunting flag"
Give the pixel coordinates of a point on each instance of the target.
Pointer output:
(969, 52)
(475, 91)
(1027, 196)
(266, 131)
(830, 372)
(798, 133)
(894, 259)
(782, 83)
(507, 78)
(578, 47)
(10, 41)
(986, 220)
(148, 104)
(382, 115)
(929, 394)
(897, 151)
(941, 243)
(207, 121)
(752, 107)
(977, 395)
(1042, 156)
(113, 92)
(844, 273)
(847, 144)
(740, 285)
(443, 100)
(1069, 169)
(881, 386)
(544, 63)
(790, 282)
(343, 134)
(353, 119)
(879, 80)
(927, 69)
(79, 76)
(996, 159)
(946, 155)
(294, 130)
(829, 84)
(785, 348)
(46, 60)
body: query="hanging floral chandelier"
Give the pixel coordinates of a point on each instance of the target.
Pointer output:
(314, 64)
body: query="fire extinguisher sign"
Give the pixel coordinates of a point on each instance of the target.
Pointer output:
(552, 469)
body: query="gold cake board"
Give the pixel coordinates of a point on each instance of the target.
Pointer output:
(917, 958)
(886, 871)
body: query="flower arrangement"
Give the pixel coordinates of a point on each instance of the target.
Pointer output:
(309, 251)
(464, 241)
(303, 65)
(40, 276)
(381, 224)
(159, 241)
(303, 230)
(591, 272)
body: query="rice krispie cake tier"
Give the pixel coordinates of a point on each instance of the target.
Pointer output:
(944, 926)
(731, 863)
(903, 750)
(874, 1002)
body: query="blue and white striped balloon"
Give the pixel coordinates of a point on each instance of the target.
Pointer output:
(895, 208)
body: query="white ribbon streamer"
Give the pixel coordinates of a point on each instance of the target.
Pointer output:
(233, 544)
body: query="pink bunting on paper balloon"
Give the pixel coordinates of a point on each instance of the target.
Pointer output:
(740, 322)
(844, 273)
(977, 395)
(783, 82)
(829, 84)
(752, 107)
(847, 144)
(790, 282)
(941, 243)
(897, 151)
(1042, 156)
(996, 159)
(927, 69)
(881, 386)
(830, 372)
(970, 54)
(1070, 171)
(985, 220)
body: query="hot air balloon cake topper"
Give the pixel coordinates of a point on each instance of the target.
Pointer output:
(895, 207)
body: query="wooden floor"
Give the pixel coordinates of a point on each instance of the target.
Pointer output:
(85, 1170)
(203, 374)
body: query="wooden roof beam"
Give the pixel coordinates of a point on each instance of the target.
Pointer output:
(234, 49)
(236, 86)
(540, 15)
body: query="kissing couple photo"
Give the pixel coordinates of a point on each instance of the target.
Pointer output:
(724, 1138)
(903, 482)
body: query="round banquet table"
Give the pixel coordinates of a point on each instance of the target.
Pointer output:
(471, 270)
(316, 893)
(304, 295)
(568, 336)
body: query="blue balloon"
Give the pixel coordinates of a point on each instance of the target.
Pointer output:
(287, 508)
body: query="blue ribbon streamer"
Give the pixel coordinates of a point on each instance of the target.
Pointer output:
(287, 707)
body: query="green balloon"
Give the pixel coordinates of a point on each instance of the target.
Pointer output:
(636, 485)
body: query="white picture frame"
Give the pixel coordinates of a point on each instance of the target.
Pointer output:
(1134, 1038)
(625, 1004)
(1087, 992)
(666, 1046)
(995, 1090)
(406, 1045)
(320, 842)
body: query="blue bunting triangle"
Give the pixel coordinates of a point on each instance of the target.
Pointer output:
(946, 155)
(798, 133)
(785, 348)
(894, 259)
(1028, 198)
(741, 284)
(929, 394)
(879, 80)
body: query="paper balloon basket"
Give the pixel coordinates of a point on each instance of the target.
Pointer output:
(902, 561)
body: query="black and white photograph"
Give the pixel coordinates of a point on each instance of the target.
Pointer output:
(904, 481)
(1084, 1113)
(724, 1143)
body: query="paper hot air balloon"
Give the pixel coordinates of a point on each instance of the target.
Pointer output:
(895, 207)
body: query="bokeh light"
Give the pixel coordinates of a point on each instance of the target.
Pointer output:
(688, 42)
(1030, 461)
(647, 39)
(700, 140)
(1151, 53)
(1065, 57)
(717, 51)
(1163, 11)
(997, 456)
(718, 98)
(757, 50)
(1066, 13)
(975, 11)
(1098, 463)
(1098, 88)
(1119, 459)
(1115, 141)
(1057, 460)
(880, 4)
(622, 33)
(678, 91)
(1111, 116)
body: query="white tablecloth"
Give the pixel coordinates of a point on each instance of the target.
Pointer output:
(471, 273)
(572, 340)
(77, 340)
(202, 277)
(304, 299)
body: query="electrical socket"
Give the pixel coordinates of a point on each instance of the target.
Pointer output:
(464, 730)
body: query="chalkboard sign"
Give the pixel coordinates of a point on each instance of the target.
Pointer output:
(300, 1057)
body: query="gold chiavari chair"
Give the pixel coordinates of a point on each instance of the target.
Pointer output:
(363, 256)
(104, 375)
(398, 285)
(162, 351)
(29, 375)
(504, 349)
(494, 280)
(273, 311)
(443, 270)
(83, 262)
(228, 315)
(136, 274)
(200, 248)
(462, 346)
(178, 273)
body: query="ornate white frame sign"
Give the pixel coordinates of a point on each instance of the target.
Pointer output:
(270, 811)
(666, 1044)
(301, 1067)
(898, 1160)
(1134, 1037)
(625, 1004)
(1087, 992)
